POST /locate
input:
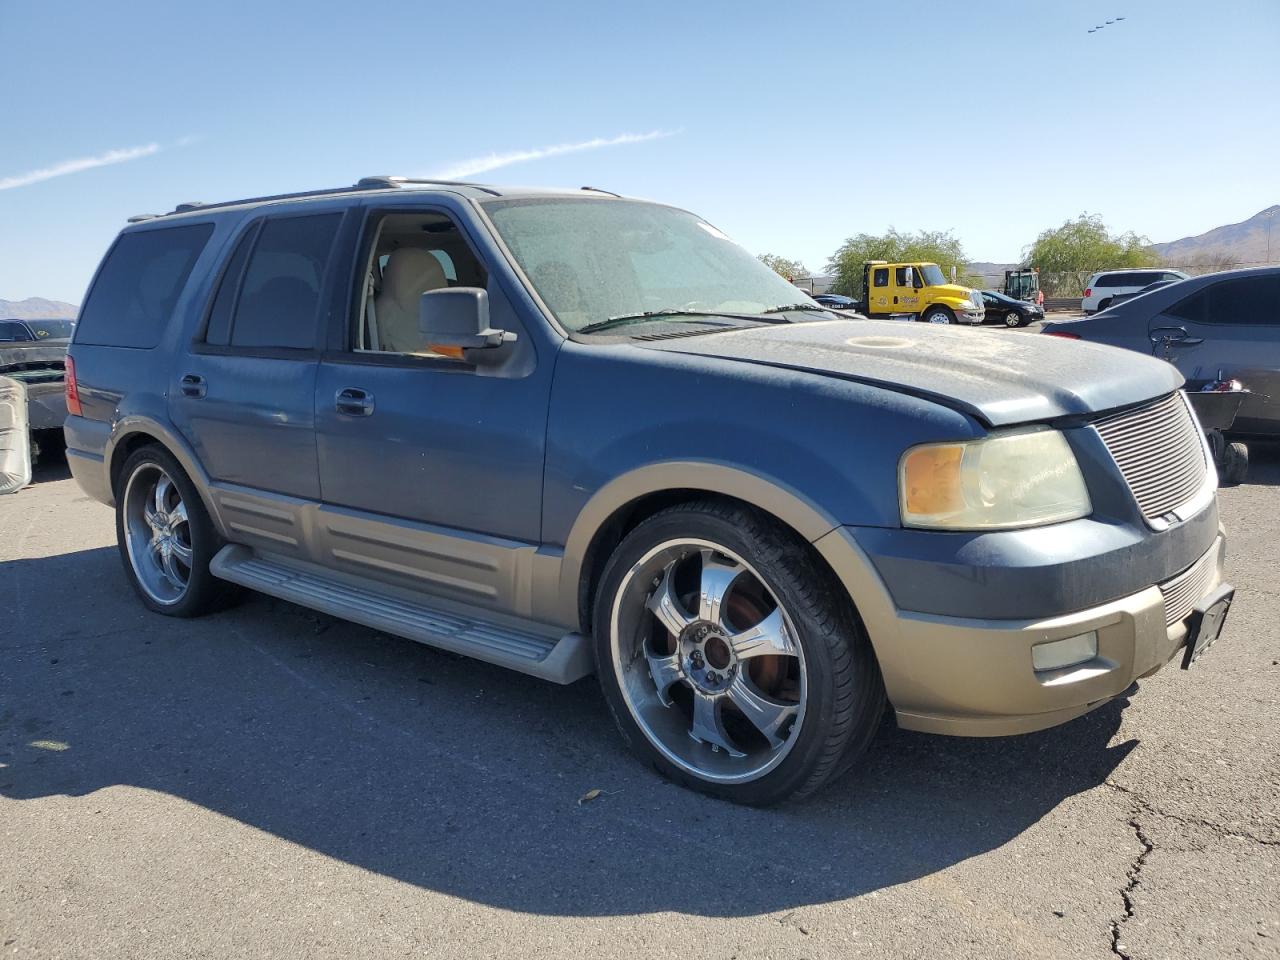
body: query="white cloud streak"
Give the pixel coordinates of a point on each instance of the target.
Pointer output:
(492, 161)
(76, 166)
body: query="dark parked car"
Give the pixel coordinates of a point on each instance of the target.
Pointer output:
(1216, 327)
(1010, 312)
(568, 432)
(836, 301)
(34, 353)
(1120, 298)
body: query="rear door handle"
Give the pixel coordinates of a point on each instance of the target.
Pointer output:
(354, 402)
(194, 386)
(1174, 335)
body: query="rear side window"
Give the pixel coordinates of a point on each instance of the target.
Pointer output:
(1246, 301)
(882, 277)
(279, 297)
(11, 332)
(218, 331)
(138, 284)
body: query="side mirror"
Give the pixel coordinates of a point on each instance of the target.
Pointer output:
(458, 317)
(910, 278)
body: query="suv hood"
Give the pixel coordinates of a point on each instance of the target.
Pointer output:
(1000, 378)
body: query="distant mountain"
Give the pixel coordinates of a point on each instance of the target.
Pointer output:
(1243, 243)
(983, 268)
(37, 308)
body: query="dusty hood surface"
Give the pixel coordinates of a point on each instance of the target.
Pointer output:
(997, 376)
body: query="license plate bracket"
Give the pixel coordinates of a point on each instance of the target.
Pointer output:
(1204, 626)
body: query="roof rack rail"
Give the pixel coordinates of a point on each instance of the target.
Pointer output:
(601, 190)
(382, 182)
(364, 183)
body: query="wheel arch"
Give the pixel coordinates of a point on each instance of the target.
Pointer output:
(134, 432)
(625, 502)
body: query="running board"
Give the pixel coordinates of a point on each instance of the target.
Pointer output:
(561, 659)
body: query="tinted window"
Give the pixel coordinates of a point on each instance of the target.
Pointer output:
(280, 294)
(52, 329)
(1244, 301)
(218, 331)
(139, 282)
(882, 277)
(11, 332)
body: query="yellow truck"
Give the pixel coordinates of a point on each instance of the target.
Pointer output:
(918, 291)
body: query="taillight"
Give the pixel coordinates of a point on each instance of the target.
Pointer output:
(1088, 291)
(73, 392)
(1066, 336)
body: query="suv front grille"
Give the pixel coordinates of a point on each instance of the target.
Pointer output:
(1183, 592)
(1159, 452)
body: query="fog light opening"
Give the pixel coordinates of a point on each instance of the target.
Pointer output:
(1065, 653)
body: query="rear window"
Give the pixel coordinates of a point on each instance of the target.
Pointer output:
(52, 329)
(138, 284)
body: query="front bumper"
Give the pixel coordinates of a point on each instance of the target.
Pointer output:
(975, 317)
(974, 677)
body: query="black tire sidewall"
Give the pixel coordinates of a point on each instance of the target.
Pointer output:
(204, 590)
(786, 579)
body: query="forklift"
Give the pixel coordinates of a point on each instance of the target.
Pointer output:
(1024, 285)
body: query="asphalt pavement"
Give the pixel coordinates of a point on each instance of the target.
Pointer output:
(270, 782)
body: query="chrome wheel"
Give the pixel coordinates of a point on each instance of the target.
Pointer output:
(939, 316)
(157, 534)
(708, 661)
(1011, 319)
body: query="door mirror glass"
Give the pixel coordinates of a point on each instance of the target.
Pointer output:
(458, 317)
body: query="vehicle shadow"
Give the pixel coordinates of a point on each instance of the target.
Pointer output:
(461, 778)
(52, 462)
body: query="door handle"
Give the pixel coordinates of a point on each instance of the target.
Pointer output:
(194, 386)
(1172, 335)
(353, 402)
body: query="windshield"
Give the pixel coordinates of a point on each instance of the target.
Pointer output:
(51, 329)
(932, 275)
(593, 259)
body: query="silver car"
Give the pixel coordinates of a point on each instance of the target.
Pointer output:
(1218, 326)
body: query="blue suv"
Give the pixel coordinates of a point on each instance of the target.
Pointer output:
(572, 433)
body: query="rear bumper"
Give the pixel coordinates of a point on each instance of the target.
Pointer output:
(975, 677)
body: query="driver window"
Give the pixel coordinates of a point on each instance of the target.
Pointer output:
(411, 254)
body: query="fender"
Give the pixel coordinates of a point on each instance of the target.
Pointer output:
(769, 495)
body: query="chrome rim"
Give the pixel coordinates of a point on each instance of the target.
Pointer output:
(157, 534)
(1011, 319)
(939, 316)
(708, 661)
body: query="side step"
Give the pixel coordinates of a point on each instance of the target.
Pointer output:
(560, 660)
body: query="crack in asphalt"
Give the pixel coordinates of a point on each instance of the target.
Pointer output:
(1134, 878)
(1146, 806)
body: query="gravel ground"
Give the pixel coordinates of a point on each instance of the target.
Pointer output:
(271, 782)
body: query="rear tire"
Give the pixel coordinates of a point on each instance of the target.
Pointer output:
(732, 662)
(166, 538)
(1235, 465)
(1102, 305)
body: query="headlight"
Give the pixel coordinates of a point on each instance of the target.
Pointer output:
(1023, 478)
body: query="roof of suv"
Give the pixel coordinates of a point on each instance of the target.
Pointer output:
(379, 183)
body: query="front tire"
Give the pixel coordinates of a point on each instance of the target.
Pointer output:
(1013, 319)
(731, 661)
(165, 537)
(938, 315)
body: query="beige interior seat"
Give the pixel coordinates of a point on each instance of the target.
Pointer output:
(410, 272)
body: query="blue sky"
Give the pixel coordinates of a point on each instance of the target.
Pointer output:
(790, 126)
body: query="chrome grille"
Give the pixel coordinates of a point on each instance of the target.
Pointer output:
(1184, 591)
(1159, 452)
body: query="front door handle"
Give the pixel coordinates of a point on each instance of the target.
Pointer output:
(194, 386)
(353, 402)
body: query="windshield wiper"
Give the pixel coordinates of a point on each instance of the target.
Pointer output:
(783, 308)
(624, 319)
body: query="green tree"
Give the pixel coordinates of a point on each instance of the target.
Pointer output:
(930, 246)
(1068, 254)
(787, 269)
